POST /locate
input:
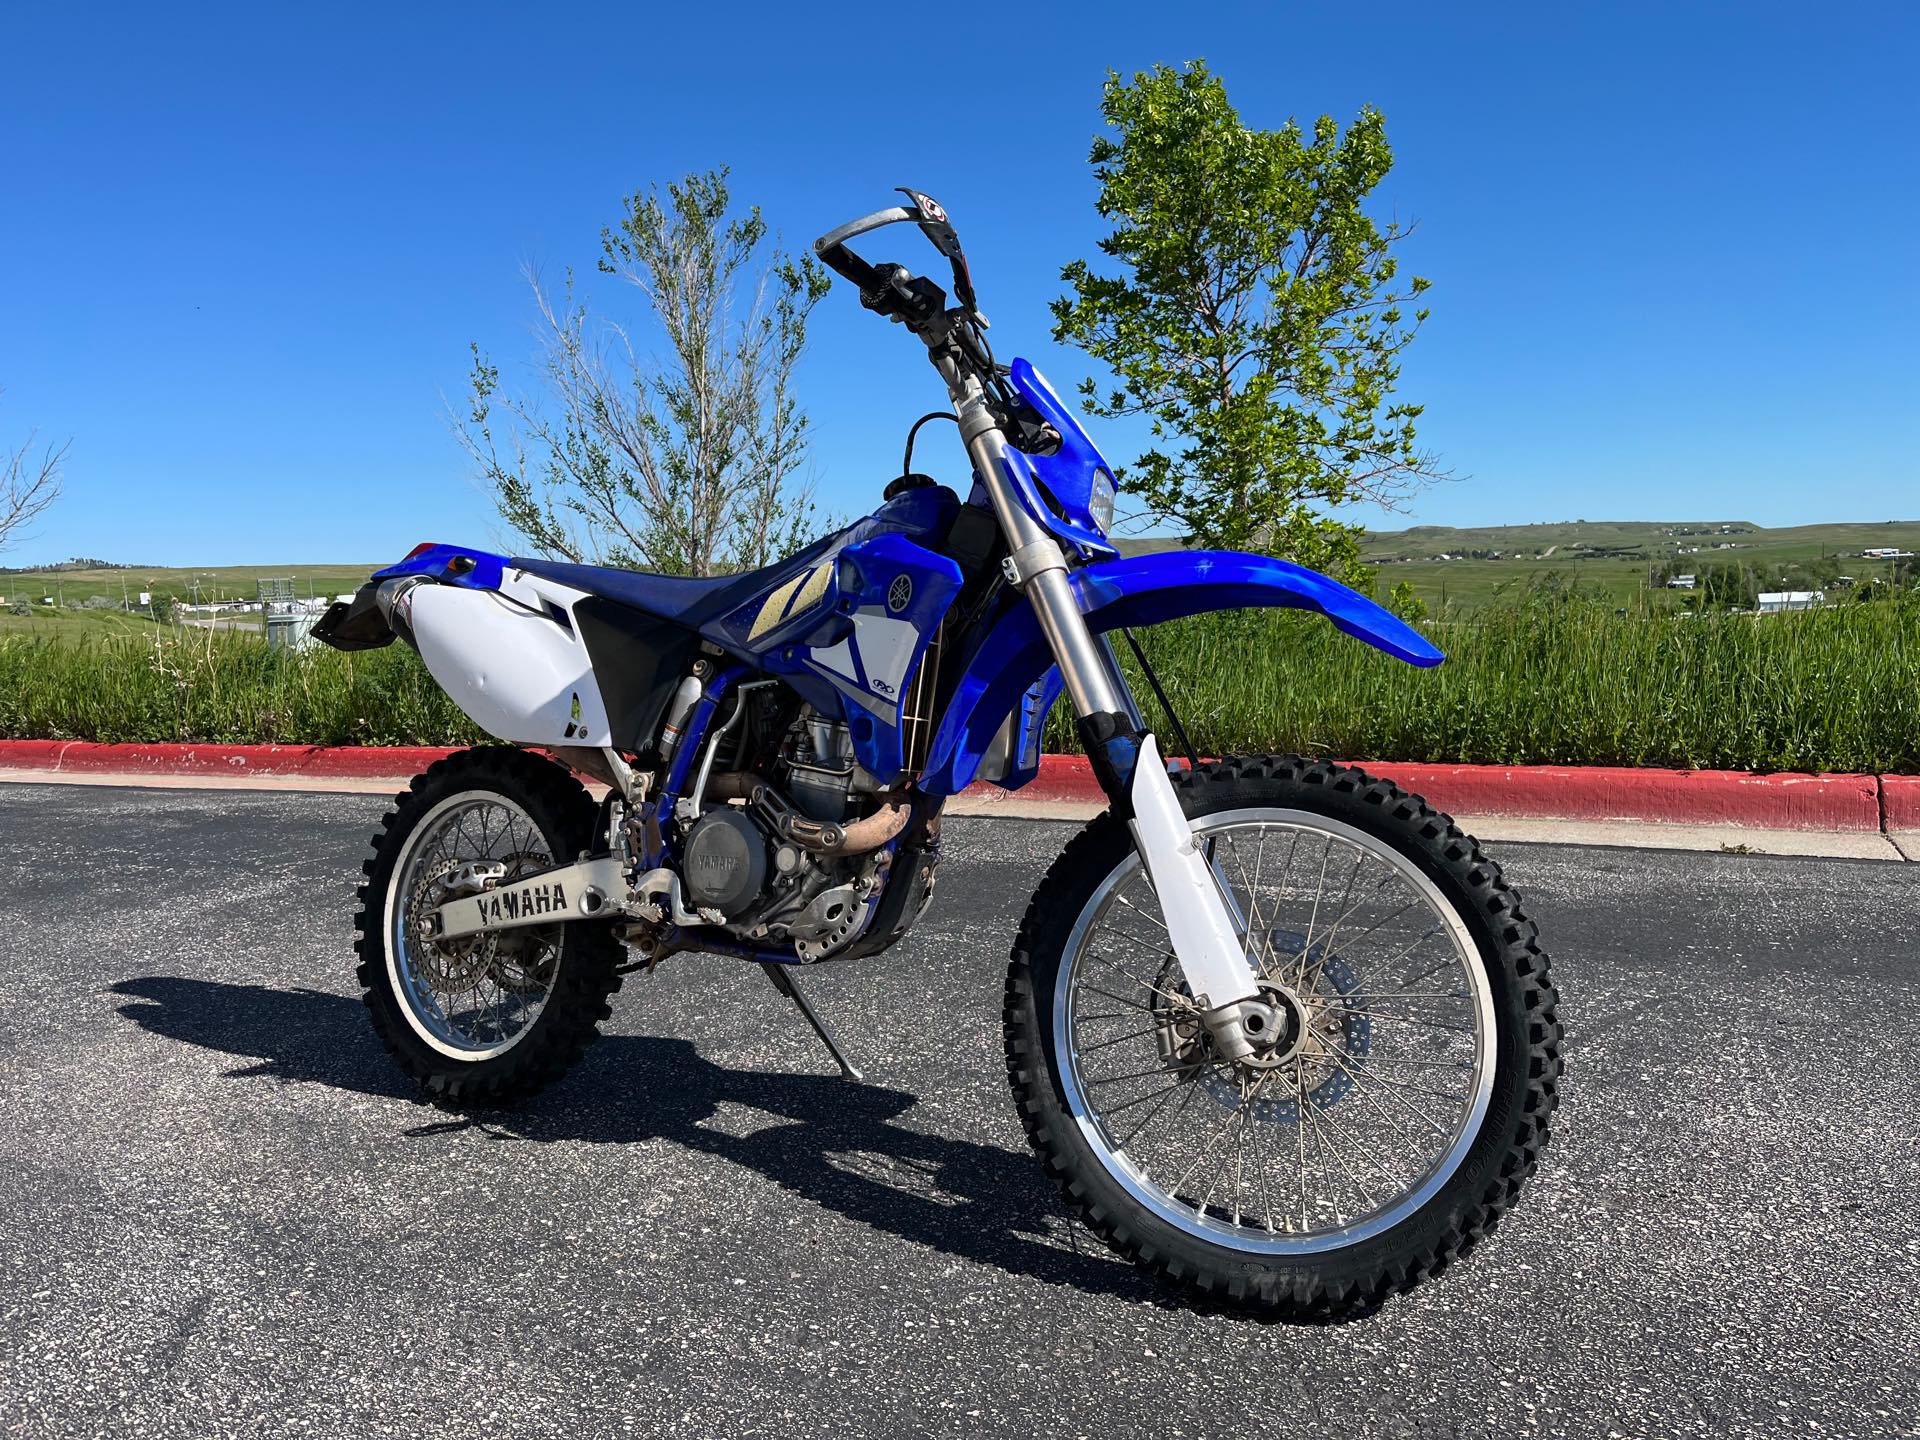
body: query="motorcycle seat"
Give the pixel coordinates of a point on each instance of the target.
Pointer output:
(683, 599)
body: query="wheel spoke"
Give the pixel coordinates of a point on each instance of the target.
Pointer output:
(1165, 1097)
(1114, 1040)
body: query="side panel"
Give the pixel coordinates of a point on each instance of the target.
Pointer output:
(893, 594)
(512, 659)
(1142, 590)
(638, 661)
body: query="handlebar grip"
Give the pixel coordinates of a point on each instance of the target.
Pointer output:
(844, 262)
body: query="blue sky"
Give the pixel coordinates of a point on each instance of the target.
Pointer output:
(244, 249)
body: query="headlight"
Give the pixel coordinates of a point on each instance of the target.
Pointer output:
(1100, 501)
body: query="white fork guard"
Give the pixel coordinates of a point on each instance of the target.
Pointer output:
(1211, 952)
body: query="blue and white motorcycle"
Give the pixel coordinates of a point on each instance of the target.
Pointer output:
(1280, 1031)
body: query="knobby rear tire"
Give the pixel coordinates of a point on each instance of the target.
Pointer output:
(589, 952)
(1352, 1279)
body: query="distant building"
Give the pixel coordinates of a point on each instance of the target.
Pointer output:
(1772, 602)
(1682, 582)
(1887, 552)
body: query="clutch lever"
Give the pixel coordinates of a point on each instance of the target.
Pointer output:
(934, 224)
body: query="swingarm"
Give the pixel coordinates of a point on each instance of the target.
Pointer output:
(483, 901)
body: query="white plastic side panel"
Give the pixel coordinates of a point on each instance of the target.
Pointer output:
(519, 673)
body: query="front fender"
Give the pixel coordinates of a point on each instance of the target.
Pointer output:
(1013, 657)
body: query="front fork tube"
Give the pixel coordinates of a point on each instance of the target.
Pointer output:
(1124, 753)
(1206, 935)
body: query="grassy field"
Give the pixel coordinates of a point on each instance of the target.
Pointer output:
(69, 589)
(1540, 680)
(190, 583)
(1559, 681)
(202, 685)
(50, 623)
(1613, 559)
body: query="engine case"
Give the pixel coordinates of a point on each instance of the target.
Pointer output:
(724, 862)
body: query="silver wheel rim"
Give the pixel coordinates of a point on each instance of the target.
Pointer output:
(476, 998)
(1392, 1069)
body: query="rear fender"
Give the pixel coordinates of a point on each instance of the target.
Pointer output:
(1013, 666)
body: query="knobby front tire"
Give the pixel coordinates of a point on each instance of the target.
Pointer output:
(1420, 1078)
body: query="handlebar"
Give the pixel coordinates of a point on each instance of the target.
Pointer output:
(834, 254)
(838, 237)
(878, 286)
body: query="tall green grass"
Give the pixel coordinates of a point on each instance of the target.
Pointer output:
(1543, 679)
(1557, 680)
(205, 686)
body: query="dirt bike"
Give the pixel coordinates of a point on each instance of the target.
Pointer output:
(1280, 1032)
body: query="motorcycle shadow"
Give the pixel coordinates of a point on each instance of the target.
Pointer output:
(825, 1139)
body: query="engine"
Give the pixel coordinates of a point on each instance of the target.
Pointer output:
(788, 845)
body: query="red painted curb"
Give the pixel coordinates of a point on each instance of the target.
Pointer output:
(1900, 797)
(1063, 780)
(336, 761)
(1672, 797)
(1699, 797)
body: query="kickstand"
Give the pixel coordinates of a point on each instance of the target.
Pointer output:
(789, 987)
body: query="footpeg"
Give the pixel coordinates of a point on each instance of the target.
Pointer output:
(789, 987)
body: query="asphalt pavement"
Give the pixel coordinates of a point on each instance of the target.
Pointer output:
(221, 1212)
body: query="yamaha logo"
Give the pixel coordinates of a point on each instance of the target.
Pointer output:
(900, 593)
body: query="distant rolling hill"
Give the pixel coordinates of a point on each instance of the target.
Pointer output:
(1468, 566)
(1659, 540)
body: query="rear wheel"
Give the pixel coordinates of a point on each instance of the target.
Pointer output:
(493, 1018)
(1386, 1123)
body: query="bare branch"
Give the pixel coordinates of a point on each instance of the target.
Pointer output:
(28, 486)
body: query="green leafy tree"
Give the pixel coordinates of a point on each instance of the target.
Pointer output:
(1256, 319)
(685, 463)
(1402, 601)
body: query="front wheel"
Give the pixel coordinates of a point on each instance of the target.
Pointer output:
(1379, 1134)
